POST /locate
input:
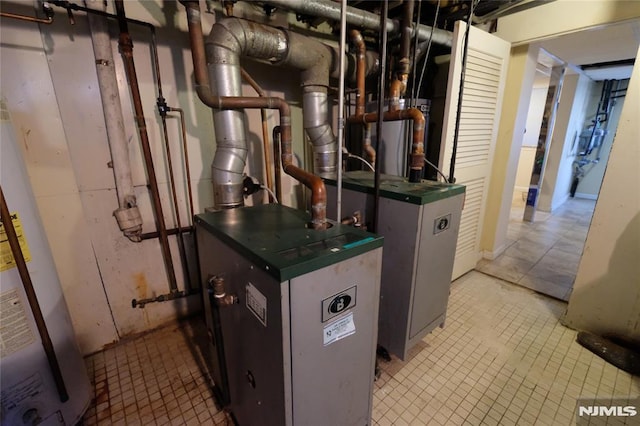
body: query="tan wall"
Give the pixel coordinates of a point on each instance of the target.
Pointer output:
(563, 17)
(515, 107)
(606, 293)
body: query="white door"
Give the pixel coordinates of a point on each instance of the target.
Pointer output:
(487, 60)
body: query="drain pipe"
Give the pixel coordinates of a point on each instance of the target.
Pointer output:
(126, 49)
(229, 123)
(358, 18)
(127, 215)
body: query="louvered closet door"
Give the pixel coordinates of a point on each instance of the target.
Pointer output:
(487, 60)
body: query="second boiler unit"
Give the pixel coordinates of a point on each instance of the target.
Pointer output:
(419, 222)
(292, 315)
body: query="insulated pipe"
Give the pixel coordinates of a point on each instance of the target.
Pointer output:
(127, 215)
(417, 146)
(126, 49)
(358, 17)
(361, 63)
(206, 95)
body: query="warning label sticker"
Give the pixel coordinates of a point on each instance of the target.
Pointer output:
(339, 329)
(15, 332)
(6, 257)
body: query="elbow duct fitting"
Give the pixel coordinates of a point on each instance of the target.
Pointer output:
(232, 38)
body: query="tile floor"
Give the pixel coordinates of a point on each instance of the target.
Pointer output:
(502, 358)
(544, 255)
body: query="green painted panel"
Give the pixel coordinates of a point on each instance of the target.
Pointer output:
(399, 188)
(277, 239)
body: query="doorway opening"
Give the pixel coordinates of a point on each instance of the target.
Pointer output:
(551, 210)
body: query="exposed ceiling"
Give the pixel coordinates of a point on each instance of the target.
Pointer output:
(597, 45)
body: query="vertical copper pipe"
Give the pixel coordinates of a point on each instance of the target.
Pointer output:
(361, 65)
(23, 271)
(183, 129)
(399, 84)
(126, 49)
(265, 128)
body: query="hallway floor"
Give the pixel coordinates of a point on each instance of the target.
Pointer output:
(502, 358)
(544, 255)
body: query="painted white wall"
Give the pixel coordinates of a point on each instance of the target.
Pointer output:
(570, 119)
(563, 17)
(50, 85)
(589, 186)
(534, 118)
(523, 173)
(530, 139)
(606, 293)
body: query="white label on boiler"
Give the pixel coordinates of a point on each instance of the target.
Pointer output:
(339, 329)
(257, 303)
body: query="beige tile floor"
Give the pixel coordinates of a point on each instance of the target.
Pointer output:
(502, 358)
(544, 255)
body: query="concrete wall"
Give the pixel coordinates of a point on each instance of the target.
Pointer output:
(50, 85)
(570, 119)
(606, 293)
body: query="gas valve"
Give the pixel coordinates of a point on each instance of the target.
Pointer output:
(216, 284)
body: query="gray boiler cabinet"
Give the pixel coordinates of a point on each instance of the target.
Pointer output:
(420, 223)
(299, 346)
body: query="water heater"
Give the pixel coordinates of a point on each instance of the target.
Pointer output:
(29, 394)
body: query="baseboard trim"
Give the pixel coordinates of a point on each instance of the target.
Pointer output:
(492, 255)
(585, 196)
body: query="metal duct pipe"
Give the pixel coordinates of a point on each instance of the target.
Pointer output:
(357, 17)
(234, 37)
(218, 103)
(127, 215)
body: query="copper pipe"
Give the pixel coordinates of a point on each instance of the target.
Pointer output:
(265, 128)
(183, 128)
(276, 161)
(47, 20)
(25, 277)
(311, 181)
(398, 86)
(126, 49)
(417, 146)
(361, 65)
(203, 89)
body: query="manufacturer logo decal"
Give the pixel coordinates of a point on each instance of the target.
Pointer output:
(339, 304)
